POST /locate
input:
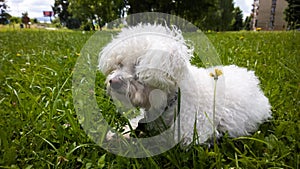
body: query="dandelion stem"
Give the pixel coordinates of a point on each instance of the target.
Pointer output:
(216, 148)
(214, 110)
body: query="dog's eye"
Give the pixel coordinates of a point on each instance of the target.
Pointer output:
(136, 77)
(120, 65)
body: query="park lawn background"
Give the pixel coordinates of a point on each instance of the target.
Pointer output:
(39, 127)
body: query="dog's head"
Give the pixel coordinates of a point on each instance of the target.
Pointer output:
(143, 59)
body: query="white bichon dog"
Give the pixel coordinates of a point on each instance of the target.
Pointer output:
(147, 66)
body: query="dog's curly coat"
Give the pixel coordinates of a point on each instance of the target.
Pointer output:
(147, 64)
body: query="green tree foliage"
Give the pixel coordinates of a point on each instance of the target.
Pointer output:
(206, 14)
(292, 14)
(106, 10)
(4, 16)
(215, 15)
(197, 11)
(226, 9)
(238, 19)
(34, 20)
(73, 13)
(60, 9)
(247, 23)
(14, 19)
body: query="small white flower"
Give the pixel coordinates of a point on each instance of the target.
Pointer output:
(27, 63)
(23, 70)
(11, 61)
(66, 125)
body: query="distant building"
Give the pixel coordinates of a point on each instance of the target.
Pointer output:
(269, 15)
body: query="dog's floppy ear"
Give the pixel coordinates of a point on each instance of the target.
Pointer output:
(166, 59)
(164, 66)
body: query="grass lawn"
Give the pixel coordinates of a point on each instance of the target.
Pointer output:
(39, 127)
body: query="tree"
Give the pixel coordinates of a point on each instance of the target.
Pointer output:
(137, 6)
(247, 23)
(292, 14)
(4, 16)
(14, 19)
(214, 15)
(60, 9)
(206, 14)
(196, 11)
(84, 11)
(34, 20)
(226, 8)
(238, 19)
(101, 11)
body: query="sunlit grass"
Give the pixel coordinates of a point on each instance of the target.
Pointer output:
(39, 127)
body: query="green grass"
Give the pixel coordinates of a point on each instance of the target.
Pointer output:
(39, 127)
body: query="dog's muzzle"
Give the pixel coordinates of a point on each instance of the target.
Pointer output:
(116, 83)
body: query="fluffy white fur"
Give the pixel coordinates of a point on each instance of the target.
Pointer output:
(147, 61)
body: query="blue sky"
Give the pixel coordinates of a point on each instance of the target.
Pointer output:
(35, 8)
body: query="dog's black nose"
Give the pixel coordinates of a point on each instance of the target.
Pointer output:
(115, 83)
